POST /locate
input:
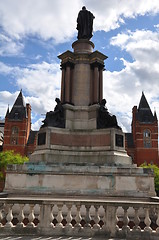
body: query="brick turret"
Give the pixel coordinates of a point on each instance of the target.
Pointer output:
(17, 126)
(144, 134)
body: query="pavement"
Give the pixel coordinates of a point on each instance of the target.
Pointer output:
(51, 238)
(42, 238)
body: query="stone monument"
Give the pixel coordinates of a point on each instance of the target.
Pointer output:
(80, 147)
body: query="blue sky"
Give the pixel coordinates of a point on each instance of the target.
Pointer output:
(34, 32)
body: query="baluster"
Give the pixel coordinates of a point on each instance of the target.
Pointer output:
(39, 217)
(51, 218)
(125, 227)
(31, 216)
(116, 220)
(59, 217)
(147, 221)
(1, 217)
(101, 216)
(157, 221)
(105, 218)
(78, 217)
(69, 216)
(87, 217)
(21, 216)
(9, 217)
(136, 220)
(96, 218)
(55, 213)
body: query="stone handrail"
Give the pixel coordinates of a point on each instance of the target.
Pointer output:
(82, 218)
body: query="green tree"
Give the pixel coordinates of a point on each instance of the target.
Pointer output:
(156, 173)
(9, 157)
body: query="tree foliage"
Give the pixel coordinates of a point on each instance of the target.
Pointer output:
(9, 157)
(156, 173)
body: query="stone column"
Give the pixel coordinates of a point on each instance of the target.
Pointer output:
(63, 86)
(82, 72)
(100, 84)
(91, 87)
(67, 84)
(96, 84)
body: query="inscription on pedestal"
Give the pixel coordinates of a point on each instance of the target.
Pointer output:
(42, 138)
(119, 141)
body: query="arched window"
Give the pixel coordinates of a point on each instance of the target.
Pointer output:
(14, 135)
(147, 138)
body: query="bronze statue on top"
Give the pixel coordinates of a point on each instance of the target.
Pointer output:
(104, 118)
(55, 118)
(85, 24)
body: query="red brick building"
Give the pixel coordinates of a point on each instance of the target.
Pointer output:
(18, 135)
(142, 142)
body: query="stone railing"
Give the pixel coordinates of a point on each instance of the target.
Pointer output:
(128, 220)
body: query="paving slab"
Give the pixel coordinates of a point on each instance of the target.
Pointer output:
(51, 238)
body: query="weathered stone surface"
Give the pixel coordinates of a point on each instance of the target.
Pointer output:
(84, 180)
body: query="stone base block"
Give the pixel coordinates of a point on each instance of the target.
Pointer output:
(79, 117)
(60, 156)
(85, 181)
(103, 146)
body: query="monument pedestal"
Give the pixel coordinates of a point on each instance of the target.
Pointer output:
(97, 147)
(80, 157)
(82, 164)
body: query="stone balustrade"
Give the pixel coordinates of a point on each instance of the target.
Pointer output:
(79, 218)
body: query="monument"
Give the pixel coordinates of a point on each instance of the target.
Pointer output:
(80, 147)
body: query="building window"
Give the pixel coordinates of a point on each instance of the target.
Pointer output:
(147, 138)
(14, 136)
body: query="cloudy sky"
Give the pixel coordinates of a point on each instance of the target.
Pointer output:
(34, 32)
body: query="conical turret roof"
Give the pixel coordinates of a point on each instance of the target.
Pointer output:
(144, 113)
(20, 100)
(18, 111)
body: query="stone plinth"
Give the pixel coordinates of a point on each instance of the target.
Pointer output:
(83, 46)
(100, 147)
(84, 181)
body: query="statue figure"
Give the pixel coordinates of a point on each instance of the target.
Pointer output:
(55, 118)
(85, 24)
(105, 119)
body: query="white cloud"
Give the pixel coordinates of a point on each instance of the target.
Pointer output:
(9, 47)
(5, 69)
(36, 125)
(57, 19)
(110, 14)
(48, 19)
(6, 98)
(143, 47)
(123, 88)
(38, 57)
(41, 83)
